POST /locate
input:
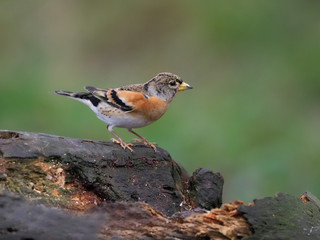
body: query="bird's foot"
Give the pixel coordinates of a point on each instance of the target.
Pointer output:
(123, 144)
(147, 143)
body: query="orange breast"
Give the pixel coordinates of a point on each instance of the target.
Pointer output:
(151, 109)
(154, 108)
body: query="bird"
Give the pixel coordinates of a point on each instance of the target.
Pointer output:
(131, 106)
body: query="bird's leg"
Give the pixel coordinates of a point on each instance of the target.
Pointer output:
(143, 140)
(119, 141)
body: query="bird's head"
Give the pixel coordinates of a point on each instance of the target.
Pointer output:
(165, 86)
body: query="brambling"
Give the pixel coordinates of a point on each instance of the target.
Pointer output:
(131, 106)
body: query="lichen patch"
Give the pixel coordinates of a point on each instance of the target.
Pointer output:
(46, 180)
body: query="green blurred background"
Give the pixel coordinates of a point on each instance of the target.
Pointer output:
(254, 112)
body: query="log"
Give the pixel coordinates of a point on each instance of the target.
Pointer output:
(55, 187)
(284, 217)
(24, 220)
(80, 174)
(116, 220)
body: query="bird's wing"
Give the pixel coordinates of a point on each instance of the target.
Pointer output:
(124, 100)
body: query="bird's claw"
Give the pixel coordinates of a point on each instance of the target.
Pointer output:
(147, 143)
(123, 144)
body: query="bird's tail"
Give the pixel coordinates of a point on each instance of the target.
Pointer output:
(86, 98)
(66, 93)
(81, 95)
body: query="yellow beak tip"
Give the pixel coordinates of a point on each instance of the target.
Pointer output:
(184, 86)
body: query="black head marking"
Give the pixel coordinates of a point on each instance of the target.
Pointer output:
(146, 86)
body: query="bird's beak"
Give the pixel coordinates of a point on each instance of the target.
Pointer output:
(184, 86)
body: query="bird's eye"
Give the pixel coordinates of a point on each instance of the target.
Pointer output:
(172, 83)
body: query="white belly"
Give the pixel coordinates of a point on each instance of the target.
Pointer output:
(123, 121)
(120, 119)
